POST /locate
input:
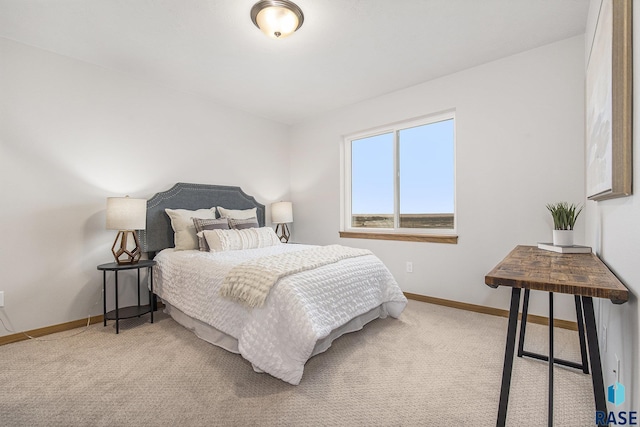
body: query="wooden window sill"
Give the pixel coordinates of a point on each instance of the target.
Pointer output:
(433, 238)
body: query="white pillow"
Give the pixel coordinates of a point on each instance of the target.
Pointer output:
(232, 240)
(237, 213)
(184, 231)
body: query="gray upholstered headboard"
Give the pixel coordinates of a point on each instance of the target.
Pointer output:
(159, 234)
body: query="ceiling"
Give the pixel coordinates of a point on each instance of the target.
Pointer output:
(346, 51)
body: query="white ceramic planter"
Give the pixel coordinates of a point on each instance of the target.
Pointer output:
(563, 237)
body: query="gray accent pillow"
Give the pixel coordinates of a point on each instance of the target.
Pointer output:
(241, 224)
(208, 224)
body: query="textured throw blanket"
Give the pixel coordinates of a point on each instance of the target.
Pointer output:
(250, 282)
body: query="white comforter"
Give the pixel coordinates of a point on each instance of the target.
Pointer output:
(301, 309)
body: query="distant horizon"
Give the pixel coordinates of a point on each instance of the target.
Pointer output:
(402, 214)
(420, 220)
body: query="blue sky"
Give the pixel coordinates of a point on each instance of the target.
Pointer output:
(426, 171)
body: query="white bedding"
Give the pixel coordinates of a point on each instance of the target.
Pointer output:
(301, 309)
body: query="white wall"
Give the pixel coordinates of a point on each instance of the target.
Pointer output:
(520, 136)
(73, 134)
(613, 229)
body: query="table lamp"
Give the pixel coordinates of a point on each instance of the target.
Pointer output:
(126, 215)
(281, 214)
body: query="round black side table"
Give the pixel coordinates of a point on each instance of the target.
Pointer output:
(132, 311)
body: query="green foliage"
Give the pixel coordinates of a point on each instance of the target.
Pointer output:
(564, 215)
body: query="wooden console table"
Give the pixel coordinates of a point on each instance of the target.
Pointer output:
(582, 275)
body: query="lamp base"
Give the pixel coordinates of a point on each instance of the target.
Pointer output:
(284, 233)
(121, 253)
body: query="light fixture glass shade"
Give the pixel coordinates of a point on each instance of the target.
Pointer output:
(125, 213)
(277, 18)
(281, 212)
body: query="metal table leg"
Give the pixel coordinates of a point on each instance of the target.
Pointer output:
(550, 415)
(523, 325)
(151, 301)
(583, 346)
(594, 354)
(104, 296)
(523, 322)
(117, 309)
(138, 288)
(508, 357)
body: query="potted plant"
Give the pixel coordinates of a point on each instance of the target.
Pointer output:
(564, 218)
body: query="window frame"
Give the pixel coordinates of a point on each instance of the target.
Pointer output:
(396, 233)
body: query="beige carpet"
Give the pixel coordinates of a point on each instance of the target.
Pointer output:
(435, 366)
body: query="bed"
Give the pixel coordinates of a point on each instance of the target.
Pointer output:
(303, 312)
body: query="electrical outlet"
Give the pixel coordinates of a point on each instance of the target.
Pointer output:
(1, 298)
(409, 267)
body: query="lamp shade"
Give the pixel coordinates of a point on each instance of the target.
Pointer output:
(281, 212)
(125, 213)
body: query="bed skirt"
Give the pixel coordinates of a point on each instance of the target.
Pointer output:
(213, 336)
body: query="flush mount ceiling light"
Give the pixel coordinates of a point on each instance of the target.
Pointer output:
(277, 18)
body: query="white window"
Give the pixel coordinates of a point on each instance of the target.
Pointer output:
(400, 179)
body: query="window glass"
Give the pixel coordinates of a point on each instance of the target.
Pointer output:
(372, 181)
(426, 188)
(402, 178)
